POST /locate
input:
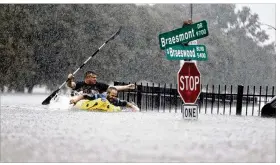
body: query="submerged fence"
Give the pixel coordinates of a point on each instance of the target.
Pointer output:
(231, 100)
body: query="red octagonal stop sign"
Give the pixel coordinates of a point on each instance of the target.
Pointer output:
(188, 79)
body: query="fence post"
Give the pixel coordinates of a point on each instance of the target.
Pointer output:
(158, 96)
(239, 99)
(139, 95)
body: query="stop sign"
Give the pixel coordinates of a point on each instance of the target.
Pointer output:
(188, 79)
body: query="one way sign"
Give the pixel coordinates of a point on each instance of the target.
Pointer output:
(190, 111)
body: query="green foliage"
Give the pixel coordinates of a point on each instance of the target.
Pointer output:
(42, 43)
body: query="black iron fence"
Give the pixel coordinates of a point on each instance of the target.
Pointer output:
(231, 100)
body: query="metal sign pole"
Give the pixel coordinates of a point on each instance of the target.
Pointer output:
(191, 10)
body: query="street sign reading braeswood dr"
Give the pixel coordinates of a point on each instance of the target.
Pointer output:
(189, 83)
(184, 34)
(181, 52)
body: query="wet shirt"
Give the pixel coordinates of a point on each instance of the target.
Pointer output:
(118, 102)
(91, 88)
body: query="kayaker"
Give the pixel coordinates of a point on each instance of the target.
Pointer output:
(90, 85)
(111, 96)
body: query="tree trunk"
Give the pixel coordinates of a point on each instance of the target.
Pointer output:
(19, 89)
(30, 88)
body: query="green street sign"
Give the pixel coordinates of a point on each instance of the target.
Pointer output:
(185, 34)
(181, 52)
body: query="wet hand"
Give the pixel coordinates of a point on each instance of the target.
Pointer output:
(72, 101)
(70, 76)
(131, 86)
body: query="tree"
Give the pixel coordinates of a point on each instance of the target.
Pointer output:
(41, 44)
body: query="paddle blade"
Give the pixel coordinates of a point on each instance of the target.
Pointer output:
(117, 33)
(48, 99)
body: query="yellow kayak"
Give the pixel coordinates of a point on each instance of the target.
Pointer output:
(97, 105)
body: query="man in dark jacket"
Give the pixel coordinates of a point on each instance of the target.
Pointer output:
(90, 85)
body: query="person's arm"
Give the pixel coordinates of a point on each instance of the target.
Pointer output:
(70, 82)
(123, 103)
(75, 99)
(125, 87)
(132, 106)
